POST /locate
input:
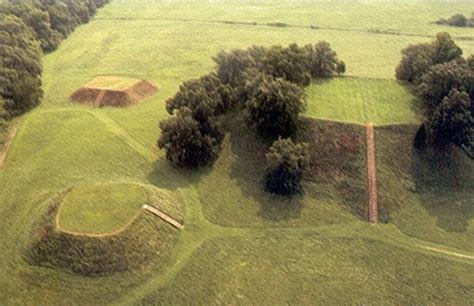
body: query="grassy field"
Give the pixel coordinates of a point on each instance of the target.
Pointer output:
(314, 248)
(362, 100)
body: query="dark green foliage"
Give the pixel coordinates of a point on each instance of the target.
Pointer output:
(289, 63)
(417, 59)
(274, 107)
(207, 90)
(322, 60)
(445, 49)
(341, 67)
(286, 163)
(452, 121)
(420, 138)
(441, 79)
(191, 139)
(20, 66)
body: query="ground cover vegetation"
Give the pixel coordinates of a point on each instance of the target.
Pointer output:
(267, 84)
(29, 28)
(445, 83)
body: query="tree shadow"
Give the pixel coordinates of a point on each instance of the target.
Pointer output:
(444, 183)
(166, 176)
(248, 171)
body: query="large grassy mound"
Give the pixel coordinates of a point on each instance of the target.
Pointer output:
(425, 196)
(106, 208)
(144, 239)
(361, 100)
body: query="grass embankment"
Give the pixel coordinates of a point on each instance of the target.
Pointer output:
(349, 99)
(144, 240)
(426, 197)
(335, 189)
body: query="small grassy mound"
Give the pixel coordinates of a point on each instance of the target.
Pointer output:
(144, 239)
(425, 196)
(380, 101)
(107, 208)
(113, 91)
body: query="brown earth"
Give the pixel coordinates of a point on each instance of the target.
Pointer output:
(102, 96)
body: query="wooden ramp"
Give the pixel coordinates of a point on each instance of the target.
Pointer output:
(372, 174)
(162, 216)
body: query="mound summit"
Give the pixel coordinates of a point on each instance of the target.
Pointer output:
(113, 91)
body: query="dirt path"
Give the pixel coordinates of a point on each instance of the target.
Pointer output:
(371, 174)
(163, 216)
(8, 143)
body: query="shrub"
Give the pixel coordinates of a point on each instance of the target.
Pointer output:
(274, 106)
(286, 162)
(188, 142)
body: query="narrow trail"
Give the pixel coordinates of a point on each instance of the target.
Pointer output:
(372, 174)
(11, 135)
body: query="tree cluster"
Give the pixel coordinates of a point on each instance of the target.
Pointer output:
(264, 83)
(457, 20)
(28, 28)
(445, 83)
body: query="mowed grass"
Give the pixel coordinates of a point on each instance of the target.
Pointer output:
(361, 100)
(230, 224)
(100, 209)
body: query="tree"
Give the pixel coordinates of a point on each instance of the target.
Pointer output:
(445, 49)
(20, 66)
(416, 60)
(458, 20)
(289, 63)
(341, 68)
(441, 79)
(452, 122)
(207, 90)
(274, 106)
(286, 162)
(187, 144)
(322, 60)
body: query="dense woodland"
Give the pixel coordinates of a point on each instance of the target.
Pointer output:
(27, 29)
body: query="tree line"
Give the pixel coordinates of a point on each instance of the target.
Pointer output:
(457, 20)
(266, 84)
(444, 80)
(27, 30)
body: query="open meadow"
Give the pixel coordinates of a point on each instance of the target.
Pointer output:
(94, 169)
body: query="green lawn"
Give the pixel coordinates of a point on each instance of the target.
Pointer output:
(313, 248)
(110, 82)
(362, 100)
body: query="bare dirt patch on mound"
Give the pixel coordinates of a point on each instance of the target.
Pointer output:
(114, 91)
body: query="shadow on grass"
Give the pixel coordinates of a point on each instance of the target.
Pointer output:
(445, 186)
(165, 175)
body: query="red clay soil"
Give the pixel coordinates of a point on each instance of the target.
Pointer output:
(371, 171)
(99, 97)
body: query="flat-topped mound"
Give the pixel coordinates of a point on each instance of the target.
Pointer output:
(114, 91)
(102, 229)
(108, 208)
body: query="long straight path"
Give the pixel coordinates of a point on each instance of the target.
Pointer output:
(372, 173)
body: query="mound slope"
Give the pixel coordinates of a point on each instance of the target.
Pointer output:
(143, 240)
(113, 91)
